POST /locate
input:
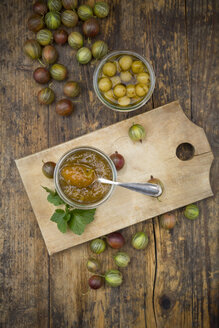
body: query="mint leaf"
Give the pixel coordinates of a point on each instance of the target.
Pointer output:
(79, 220)
(62, 226)
(58, 215)
(53, 197)
(61, 218)
(67, 217)
(76, 226)
(86, 216)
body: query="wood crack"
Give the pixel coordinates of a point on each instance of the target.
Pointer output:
(155, 273)
(206, 152)
(145, 318)
(195, 155)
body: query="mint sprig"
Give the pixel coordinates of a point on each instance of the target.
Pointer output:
(75, 219)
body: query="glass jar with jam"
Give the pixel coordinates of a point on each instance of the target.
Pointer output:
(76, 175)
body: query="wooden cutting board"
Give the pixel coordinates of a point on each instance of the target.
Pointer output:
(185, 181)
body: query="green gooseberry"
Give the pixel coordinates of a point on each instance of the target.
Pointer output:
(54, 5)
(53, 20)
(140, 240)
(191, 212)
(114, 278)
(32, 49)
(99, 49)
(122, 259)
(93, 265)
(58, 72)
(69, 18)
(98, 246)
(101, 9)
(75, 40)
(83, 55)
(85, 12)
(137, 132)
(44, 37)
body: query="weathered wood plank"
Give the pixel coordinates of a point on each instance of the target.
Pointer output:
(191, 303)
(168, 44)
(203, 40)
(24, 259)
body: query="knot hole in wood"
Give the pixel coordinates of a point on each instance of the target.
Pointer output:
(165, 302)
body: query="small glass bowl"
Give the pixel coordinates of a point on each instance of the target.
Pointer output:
(117, 107)
(61, 193)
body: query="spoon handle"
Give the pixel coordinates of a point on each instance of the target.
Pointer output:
(149, 189)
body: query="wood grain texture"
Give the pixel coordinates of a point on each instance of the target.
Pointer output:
(174, 283)
(24, 287)
(203, 40)
(184, 181)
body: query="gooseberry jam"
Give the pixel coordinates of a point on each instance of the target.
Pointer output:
(78, 173)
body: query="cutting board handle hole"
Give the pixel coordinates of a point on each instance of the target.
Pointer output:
(185, 151)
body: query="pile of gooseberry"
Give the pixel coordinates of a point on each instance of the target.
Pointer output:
(124, 80)
(48, 17)
(115, 240)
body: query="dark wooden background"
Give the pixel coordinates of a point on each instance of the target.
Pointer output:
(174, 283)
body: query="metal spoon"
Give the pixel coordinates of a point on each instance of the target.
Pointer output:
(149, 189)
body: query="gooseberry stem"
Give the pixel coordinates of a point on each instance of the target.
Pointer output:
(100, 275)
(41, 63)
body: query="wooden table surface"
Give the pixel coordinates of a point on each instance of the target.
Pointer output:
(174, 283)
